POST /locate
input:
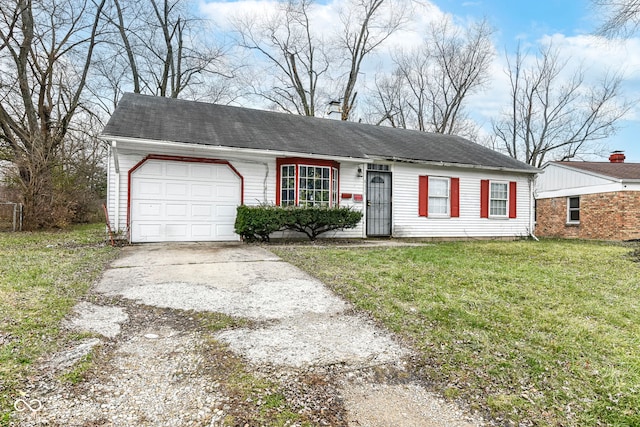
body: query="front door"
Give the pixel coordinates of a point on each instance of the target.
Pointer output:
(378, 203)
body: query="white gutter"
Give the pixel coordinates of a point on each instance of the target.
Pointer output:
(186, 147)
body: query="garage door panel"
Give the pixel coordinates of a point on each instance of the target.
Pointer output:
(201, 211)
(176, 170)
(181, 201)
(176, 190)
(228, 211)
(148, 188)
(202, 191)
(149, 210)
(202, 231)
(176, 230)
(177, 210)
(149, 232)
(203, 172)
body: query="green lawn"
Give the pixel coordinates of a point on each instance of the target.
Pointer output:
(541, 333)
(42, 275)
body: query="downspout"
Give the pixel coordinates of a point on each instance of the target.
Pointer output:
(116, 168)
(532, 218)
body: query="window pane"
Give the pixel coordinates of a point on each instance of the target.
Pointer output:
(574, 202)
(574, 215)
(498, 207)
(438, 187)
(498, 191)
(438, 205)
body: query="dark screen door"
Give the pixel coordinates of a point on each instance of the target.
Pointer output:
(378, 203)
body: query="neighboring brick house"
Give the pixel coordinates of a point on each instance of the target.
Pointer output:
(589, 200)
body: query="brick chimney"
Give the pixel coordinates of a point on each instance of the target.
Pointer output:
(617, 157)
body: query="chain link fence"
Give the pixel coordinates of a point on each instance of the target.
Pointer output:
(10, 216)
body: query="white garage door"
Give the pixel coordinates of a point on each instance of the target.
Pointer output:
(183, 202)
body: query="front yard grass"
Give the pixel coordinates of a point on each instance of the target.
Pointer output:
(42, 276)
(537, 333)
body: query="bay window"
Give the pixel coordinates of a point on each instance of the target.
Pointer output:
(307, 182)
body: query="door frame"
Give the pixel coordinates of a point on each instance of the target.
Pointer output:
(387, 173)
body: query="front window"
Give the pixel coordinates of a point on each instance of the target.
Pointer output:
(438, 196)
(498, 198)
(306, 184)
(573, 210)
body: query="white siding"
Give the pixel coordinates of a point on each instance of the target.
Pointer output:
(558, 181)
(407, 222)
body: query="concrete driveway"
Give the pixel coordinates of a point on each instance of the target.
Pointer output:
(153, 366)
(308, 325)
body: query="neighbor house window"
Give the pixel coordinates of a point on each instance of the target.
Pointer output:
(498, 199)
(438, 196)
(307, 182)
(573, 210)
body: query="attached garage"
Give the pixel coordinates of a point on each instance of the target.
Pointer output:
(183, 200)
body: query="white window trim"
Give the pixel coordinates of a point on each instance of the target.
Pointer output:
(448, 197)
(569, 220)
(506, 215)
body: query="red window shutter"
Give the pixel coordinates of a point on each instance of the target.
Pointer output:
(484, 198)
(512, 199)
(455, 197)
(423, 195)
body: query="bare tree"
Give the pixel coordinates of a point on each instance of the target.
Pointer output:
(296, 58)
(438, 77)
(157, 48)
(46, 49)
(304, 64)
(553, 117)
(621, 17)
(389, 101)
(366, 24)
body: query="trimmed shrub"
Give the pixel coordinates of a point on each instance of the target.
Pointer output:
(315, 221)
(258, 222)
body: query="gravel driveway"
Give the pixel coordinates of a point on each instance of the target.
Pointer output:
(152, 367)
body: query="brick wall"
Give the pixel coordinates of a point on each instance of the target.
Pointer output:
(608, 216)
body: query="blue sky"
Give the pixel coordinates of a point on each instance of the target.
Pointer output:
(527, 21)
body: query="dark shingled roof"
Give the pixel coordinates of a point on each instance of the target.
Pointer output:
(166, 119)
(613, 170)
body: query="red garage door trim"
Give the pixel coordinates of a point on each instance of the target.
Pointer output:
(176, 159)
